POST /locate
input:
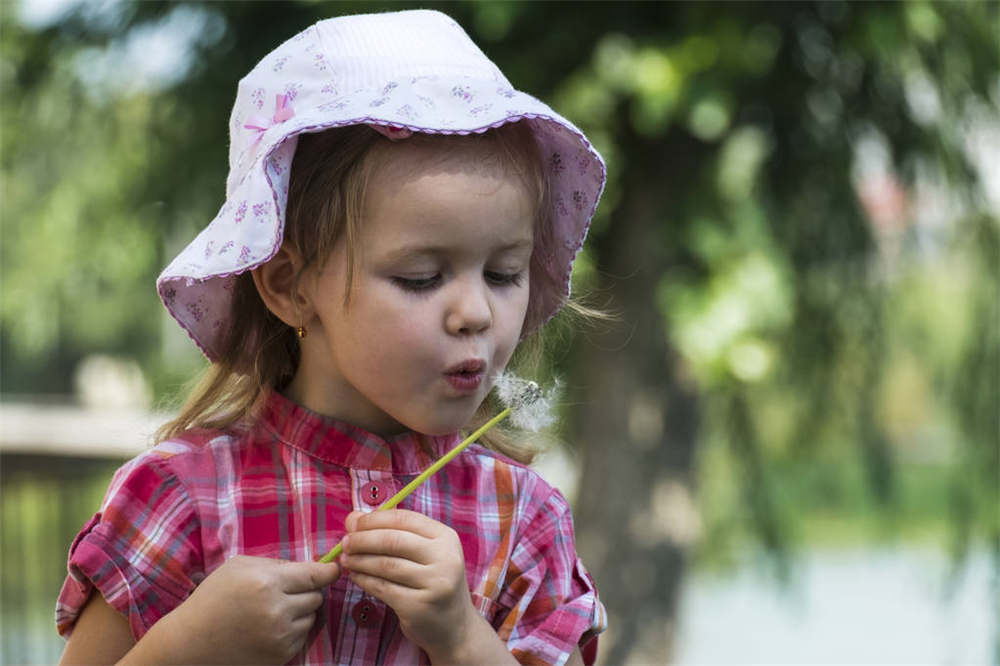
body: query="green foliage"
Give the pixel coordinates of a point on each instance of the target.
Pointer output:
(77, 250)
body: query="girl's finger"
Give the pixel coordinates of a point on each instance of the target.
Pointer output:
(396, 519)
(301, 627)
(395, 569)
(392, 542)
(304, 604)
(386, 591)
(306, 576)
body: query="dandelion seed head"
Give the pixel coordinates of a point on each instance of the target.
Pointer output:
(530, 407)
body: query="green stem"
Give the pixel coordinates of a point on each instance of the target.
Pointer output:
(426, 474)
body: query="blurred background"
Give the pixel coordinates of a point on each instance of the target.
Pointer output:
(787, 447)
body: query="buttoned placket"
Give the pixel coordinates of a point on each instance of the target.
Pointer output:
(372, 489)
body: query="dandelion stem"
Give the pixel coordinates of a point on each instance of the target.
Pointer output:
(393, 501)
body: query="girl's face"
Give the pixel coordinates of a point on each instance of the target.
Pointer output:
(438, 296)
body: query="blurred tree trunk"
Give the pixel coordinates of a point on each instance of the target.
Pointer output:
(637, 431)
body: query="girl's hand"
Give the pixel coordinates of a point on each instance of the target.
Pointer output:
(253, 610)
(416, 566)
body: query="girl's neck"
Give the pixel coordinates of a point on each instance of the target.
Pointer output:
(326, 403)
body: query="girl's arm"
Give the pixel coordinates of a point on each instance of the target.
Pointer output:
(483, 646)
(101, 635)
(251, 610)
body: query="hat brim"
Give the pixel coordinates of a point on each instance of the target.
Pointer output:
(196, 286)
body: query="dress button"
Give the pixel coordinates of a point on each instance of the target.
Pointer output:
(374, 493)
(365, 613)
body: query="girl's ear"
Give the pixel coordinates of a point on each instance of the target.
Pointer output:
(276, 284)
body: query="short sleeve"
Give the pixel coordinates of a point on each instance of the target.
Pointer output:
(549, 603)
(141, 552)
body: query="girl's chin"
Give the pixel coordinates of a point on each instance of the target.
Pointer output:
(437, 429)
(445, 425)
(432, 416)
(422, 426)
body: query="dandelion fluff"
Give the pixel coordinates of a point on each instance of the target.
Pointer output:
(530, 407)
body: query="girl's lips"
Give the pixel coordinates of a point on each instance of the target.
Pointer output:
(465, 381)
(468, 366)
(467, 375)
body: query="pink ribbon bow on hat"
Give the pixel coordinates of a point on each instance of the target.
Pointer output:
(282, 111)
(393, 132)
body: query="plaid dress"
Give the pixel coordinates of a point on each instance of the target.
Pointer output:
(283, 489)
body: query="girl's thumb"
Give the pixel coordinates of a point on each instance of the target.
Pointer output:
(321, 574)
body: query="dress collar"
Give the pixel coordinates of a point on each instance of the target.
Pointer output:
(346, 445)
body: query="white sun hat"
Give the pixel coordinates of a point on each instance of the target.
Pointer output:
(401, 72)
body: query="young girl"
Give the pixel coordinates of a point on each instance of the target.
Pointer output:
(356, 303)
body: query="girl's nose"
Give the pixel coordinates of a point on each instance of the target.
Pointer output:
(470, 311)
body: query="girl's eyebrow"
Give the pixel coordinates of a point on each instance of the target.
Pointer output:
(408, 251)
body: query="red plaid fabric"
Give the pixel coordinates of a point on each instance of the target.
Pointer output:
(283, 490)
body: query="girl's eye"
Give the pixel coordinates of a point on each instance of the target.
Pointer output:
(417, 284)
(505, 279)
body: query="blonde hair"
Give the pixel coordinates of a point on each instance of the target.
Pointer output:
(326, 200)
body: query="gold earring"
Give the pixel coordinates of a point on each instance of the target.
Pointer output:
(301, 332)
